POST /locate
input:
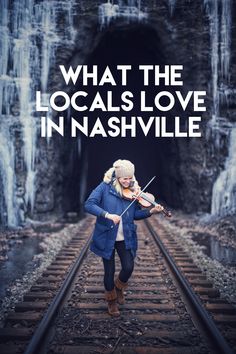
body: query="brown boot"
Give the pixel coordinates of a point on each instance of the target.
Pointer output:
(120, 286)
(111, 298)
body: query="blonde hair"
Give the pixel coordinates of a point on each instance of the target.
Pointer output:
(116, 184)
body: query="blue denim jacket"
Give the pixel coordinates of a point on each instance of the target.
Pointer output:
(103, 199)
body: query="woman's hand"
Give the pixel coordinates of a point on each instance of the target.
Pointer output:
(115, 218)
(157, 209)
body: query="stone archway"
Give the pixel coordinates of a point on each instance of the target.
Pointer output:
(166, 158)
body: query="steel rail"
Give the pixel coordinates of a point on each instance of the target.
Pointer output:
(208, 324)
(38, 338)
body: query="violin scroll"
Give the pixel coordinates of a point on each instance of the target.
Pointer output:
(167, 212)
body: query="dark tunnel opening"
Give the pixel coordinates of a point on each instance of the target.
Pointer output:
(134, 45)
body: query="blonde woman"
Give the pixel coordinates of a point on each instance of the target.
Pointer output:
(113, 233)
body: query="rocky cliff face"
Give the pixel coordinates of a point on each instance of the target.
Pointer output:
(43, 178)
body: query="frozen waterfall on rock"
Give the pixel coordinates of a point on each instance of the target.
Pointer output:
(224, 190)
(28, 41)
(219, 13)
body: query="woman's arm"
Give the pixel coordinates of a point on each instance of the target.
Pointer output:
(146, 213)
(141, 213)
(92, 204)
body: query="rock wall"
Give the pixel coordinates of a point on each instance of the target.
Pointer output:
(187, 168)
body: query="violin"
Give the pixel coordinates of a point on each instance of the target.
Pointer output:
(144, 199)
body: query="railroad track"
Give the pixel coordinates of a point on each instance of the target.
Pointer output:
(171, 307)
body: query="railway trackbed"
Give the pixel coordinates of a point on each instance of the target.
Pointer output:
(171, 307)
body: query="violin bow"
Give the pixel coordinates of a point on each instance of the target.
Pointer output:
(142, 190)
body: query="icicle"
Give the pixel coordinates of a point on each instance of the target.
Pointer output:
(79, 146)
(171, 6)
(226, 23)
(130, 10)
(213, 14)
(219, 13)
(7, 160)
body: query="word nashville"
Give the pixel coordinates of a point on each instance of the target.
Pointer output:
(114, 125)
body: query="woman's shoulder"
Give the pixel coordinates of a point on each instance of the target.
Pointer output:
(103, 186)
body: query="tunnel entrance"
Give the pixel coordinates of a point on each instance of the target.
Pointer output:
(134, 45)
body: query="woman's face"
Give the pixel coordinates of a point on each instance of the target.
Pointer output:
(125, 181)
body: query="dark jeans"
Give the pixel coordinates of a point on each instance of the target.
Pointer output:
(127, 265)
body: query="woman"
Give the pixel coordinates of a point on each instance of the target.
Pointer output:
(113, 232)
